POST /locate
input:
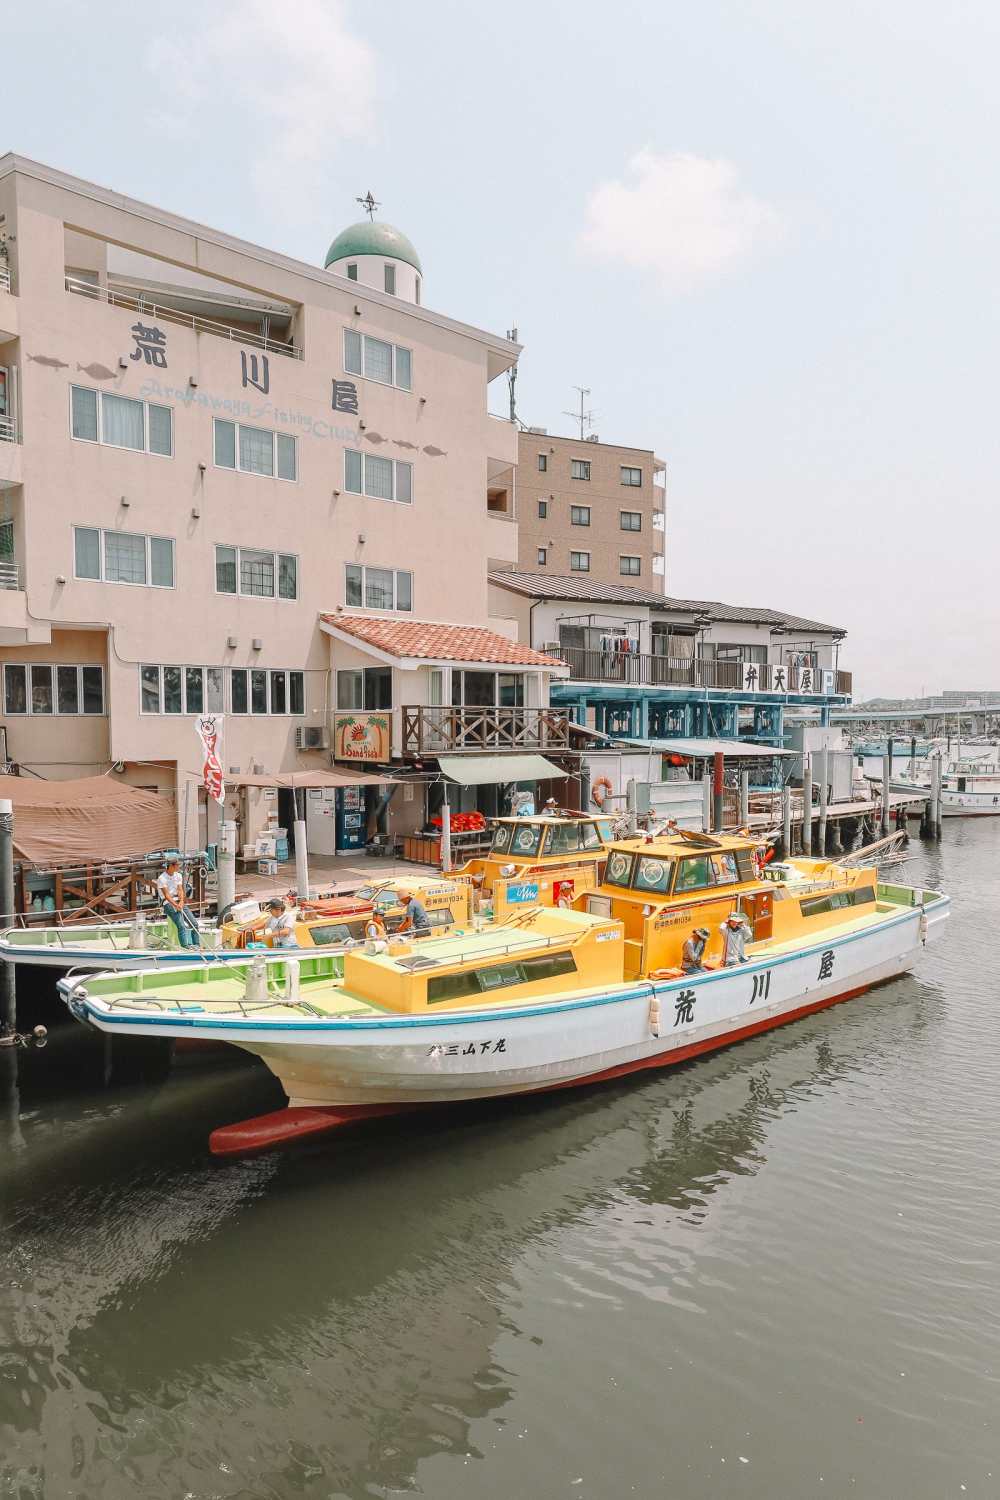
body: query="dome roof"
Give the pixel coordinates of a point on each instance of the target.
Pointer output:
(373, 238)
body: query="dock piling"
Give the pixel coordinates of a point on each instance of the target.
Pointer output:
(744, 799)
(824, 764)
(807, 807)
(935, 811)
(8, 992)
(786, 820)
(886, 784)
(706, 802)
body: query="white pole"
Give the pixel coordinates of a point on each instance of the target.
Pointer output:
(807, 803)
(227, 865)
(706, 804)
(445, 831)
(744, 799)
(301, 853)
(824, 769)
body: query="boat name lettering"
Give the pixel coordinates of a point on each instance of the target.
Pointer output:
(826, 964)
(672, 918)
(471, 1049)
(684, 1006)
(761, 986)
(607, 937)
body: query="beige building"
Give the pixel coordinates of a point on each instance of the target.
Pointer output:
(588, 508)
(223, 474)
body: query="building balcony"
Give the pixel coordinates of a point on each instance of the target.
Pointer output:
(433, 731)
(8, 305)
(10, 574)
(10, 453)
(147, 307)
(639, 669)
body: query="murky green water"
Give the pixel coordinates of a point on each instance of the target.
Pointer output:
(769, 1273)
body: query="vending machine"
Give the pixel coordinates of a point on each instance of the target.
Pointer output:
(350, 819)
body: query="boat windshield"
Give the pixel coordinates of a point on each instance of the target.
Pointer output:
(526, 838)
(619, 868)
(570, 838)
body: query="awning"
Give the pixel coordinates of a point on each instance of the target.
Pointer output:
(738, 749)
(301, 779)
(479, 770)
(90, 820)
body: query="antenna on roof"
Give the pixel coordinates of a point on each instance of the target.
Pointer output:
(512, 377)
(584, 417)
(368, 204)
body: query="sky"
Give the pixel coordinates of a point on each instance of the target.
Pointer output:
(764, 233)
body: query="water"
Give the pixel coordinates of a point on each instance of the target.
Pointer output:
(770, 1273)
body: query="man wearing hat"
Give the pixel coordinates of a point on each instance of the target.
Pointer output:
(735, 931)
(693, 953)
(280, 924)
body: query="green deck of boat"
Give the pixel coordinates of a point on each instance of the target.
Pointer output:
(101, 938)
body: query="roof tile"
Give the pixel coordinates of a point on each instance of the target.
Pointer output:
(422, 638)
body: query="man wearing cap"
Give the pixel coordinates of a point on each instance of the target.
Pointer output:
(280, 924)
(735, 931)
(170, 888)
(693, 953)
(415, 919)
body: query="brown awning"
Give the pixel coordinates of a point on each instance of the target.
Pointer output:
(87, 821)
(301, 779)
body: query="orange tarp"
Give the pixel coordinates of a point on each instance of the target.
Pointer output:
(88, 821)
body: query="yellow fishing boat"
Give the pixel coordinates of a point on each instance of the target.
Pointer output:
(548, 860)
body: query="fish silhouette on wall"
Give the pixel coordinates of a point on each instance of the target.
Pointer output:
(97, 372)
(48, 362)
(374, 437)
(402, 443)
(435, 452)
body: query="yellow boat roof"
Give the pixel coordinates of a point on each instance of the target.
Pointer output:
(547, 925)
(545, 820)
(677, 845)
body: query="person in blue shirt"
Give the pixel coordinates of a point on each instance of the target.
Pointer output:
(415, 918)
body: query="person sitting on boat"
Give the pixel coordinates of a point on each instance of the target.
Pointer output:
(280, 924)
(415, 918)
(376, 937)
(735, 931)
(693, 952)
(170, 887)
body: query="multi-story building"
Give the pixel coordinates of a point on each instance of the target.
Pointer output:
(233, 482)
(588, 508)
(647, 666)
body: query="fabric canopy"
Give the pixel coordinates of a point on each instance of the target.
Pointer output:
(740, 749)
(89, 821)
(478, 770)
(301, 779)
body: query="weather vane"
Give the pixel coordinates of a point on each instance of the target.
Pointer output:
(368, 204)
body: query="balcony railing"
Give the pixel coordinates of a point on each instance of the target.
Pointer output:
(428, 731)
(145, 307)
(10, 574)
(4, 278)
(638, 669)
(8, 432)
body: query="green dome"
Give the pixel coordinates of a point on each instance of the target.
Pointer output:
(373, 238)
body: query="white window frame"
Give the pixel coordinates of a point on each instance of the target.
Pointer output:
(55, 666)
(394, 361)
(397, 464)
(148, 537)
(543, 463)
(621, 521)
(286, 713)
(394, 607)
(237, 468)
(575, 553)
(275, 562)
(573, 510)
(542, 557)
(624, 557)
(100, 441)
(631, 484)
(184, 668)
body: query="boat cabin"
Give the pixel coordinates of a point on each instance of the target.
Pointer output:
(544, 860)
(341, 919)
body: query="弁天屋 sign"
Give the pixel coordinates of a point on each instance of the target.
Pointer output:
(359, 736)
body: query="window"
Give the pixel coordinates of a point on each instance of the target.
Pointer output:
(179, 689)
(256, 691)
(543, 462)
(631, 520)
(570, 838)
(579, 562)
(255, 450)
(693, 874)
(487, 689)
(543, 510)
(390, 279)
(653, 875)
(367, 688)
(119, 422)
(378, 588)
(45, 689)
(374, 359)
(499, 976)
(632, 477)
(123, 557)
(418, 291)
(352, 273)
(382, 478)
(619, 869)
(579, 515)
(631, 567)
(542, 557)
(256, 575)
(579, 468)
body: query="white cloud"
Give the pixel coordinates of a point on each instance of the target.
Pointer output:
(683, 218)
(292, 78)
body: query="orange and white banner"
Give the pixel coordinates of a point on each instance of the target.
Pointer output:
(209, 727)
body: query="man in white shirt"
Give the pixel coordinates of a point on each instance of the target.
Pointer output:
(170, 887)
(280, 924)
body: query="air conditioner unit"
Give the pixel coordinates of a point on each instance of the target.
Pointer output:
(312, 737)
(551, 648)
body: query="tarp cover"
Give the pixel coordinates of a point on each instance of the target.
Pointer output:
(292, 779)
(483, 770)
(89, 821)
(739, 749)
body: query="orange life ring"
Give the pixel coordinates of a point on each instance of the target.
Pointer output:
(599, 797)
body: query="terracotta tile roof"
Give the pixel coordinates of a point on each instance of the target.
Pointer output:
(420, 638)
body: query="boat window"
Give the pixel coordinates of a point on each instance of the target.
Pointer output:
(501, 837)
(653, 875)
(693, 874)
(745, 864)
(367, 893)
(603, 826)
(324, 934)
(570, 838)
(499, 976)
(619, 869)
(724, 869)
(527, 837)
(817, 906)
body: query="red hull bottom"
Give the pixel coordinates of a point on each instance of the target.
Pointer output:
(302, 1122)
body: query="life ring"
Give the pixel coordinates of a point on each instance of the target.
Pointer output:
(601, 791)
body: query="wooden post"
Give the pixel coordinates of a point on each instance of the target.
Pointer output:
(718, 783)
(886, 785)
(8, 916)
(744, 799)
(807, 804)
(824, 765)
